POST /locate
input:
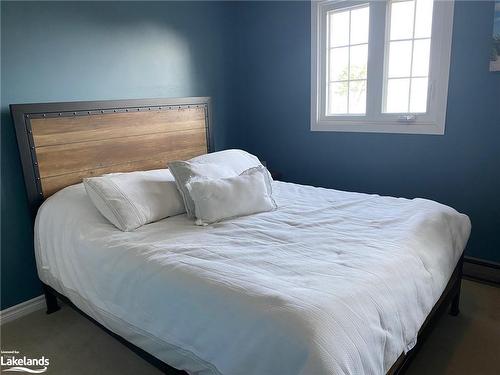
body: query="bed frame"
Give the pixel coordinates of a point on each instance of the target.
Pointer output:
(62, 143)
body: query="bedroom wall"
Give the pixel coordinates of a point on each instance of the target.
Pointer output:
(461, 168)
(65, 51)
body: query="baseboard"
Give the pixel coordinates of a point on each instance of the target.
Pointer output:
(482, 270)
(22, 309)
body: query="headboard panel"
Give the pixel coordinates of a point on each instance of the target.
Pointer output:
(62, 143)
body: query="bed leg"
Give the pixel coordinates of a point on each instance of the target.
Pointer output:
(50, 300)
(455, 304)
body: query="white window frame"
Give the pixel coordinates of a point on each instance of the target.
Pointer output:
(375, 121)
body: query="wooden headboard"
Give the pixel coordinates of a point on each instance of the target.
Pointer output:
(62, 143)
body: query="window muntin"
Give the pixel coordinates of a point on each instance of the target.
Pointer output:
(347, 60)
(408, 44)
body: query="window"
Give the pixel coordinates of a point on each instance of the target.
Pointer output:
(347, 60)
(408, 46)
(380, 66)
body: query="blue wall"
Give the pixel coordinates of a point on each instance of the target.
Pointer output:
(65, 51)
(461, 168)
(253, 58)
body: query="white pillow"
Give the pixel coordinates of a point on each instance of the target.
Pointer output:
(234, 159)
(185, 171)
(130, 200)
(218, 164)
(224, 198)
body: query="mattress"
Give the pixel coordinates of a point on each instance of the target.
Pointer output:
(332, 282)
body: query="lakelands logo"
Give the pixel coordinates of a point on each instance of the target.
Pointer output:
(11, 361)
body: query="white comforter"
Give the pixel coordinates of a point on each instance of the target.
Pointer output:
(330, 283)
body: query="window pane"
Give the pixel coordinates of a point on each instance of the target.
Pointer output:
(423, 21)
(408, 58)
(418, 97)
(421, 55)
(337, 98)
(402, 20)
(397, 95)
(339, 63)
(357, 97)
(339, 29)
(399, 59)
(358, 63)
(348, 61)
(360, 19)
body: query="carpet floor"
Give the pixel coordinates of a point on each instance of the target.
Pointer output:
(466, 344)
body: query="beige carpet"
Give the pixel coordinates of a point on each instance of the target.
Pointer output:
(467, 344)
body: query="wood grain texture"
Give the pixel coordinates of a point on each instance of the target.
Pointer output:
(55, 183)
(69, 149)
(64, 130)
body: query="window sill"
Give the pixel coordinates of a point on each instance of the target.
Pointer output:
(370, 127)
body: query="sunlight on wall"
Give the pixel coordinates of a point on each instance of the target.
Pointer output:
(151, 56)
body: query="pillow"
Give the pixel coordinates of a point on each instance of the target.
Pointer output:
(185, 171)
(220, 164)
(130, 200)
(236, 160)
(224, 198)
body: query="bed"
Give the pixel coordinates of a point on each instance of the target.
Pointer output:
(331, 282)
